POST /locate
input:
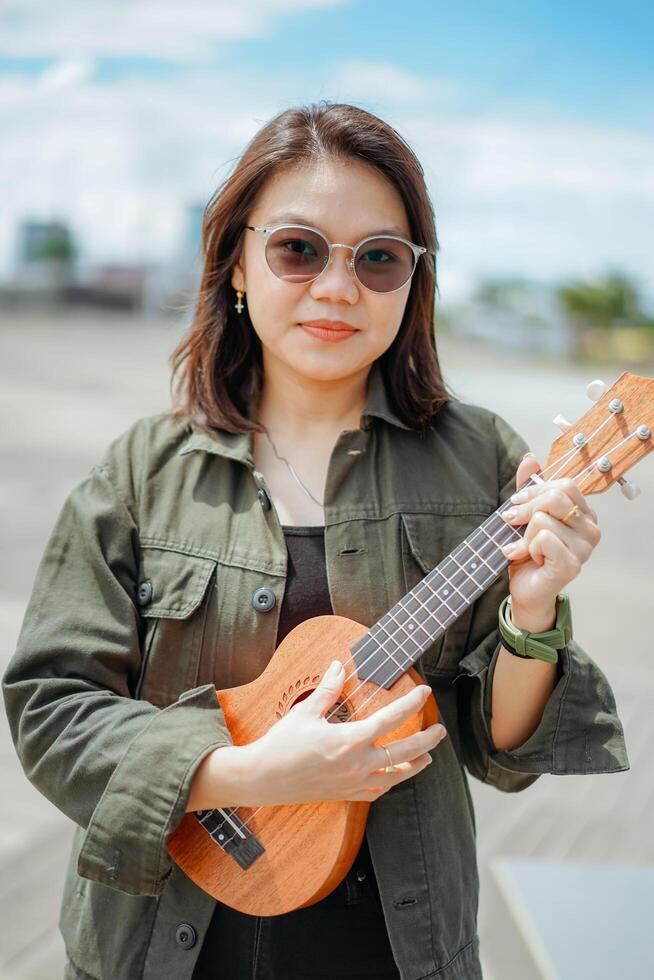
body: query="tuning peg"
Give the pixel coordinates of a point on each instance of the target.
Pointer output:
(630, 490)
(596, 389)
(562, 423)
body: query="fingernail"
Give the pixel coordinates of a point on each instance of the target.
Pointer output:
(510, 548)
(509, 514)
(527, 455)
(335, 667)
(519, 497)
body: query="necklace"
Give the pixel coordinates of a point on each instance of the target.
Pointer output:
(291, 470)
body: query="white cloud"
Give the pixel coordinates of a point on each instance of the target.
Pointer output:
(152, 28)
(64, 74)
(373, 81)
(522, 192)
(547, 200)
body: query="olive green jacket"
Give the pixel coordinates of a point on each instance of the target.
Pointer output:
(144, 593)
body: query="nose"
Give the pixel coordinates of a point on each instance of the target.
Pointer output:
(337, 280)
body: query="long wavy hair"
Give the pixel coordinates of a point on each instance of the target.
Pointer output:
(217, 367)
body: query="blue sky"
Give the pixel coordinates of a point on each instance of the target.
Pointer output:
(535, 122)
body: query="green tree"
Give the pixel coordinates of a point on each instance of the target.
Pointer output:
(58, 245)
(604, 303)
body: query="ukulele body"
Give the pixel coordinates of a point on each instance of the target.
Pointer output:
(308, 847)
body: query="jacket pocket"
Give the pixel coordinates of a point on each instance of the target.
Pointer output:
(426, 540)
(173, 593)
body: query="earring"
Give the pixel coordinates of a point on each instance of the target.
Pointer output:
(238, 305)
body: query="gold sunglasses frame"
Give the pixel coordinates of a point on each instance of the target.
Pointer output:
(417, 250)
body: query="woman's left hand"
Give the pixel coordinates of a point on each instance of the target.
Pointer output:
(551, 552)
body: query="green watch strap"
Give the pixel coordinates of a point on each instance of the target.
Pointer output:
(541, 646)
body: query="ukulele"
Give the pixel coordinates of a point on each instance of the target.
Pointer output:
(246, 857)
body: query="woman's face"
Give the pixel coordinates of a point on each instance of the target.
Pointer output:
(347, 201)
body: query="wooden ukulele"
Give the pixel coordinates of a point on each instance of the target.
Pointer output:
(246, 857)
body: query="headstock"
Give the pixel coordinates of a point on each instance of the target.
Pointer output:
(609, 439)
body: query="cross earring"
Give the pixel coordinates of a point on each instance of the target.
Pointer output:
(238, 305)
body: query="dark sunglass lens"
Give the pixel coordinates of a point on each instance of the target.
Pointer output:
(295, 254)
(384, 264)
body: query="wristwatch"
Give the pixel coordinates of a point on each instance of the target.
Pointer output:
(541, 646)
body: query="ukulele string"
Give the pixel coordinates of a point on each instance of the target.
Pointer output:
(560, 463)
(586, 472)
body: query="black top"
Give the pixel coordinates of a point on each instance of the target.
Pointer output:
(344, 934)
(307, 595)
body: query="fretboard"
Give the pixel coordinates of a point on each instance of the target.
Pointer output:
(397, 640)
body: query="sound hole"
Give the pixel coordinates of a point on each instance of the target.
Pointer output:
(340, 711)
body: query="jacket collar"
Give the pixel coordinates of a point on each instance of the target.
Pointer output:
(238, 446)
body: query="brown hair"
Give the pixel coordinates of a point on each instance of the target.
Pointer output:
(219, 358)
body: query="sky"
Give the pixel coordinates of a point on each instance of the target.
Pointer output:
(534, 123)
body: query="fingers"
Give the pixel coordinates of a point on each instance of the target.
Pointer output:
(580, 531)
(389, 716)
(406, 749)
(567, 488)
(547, 549)
(330, 686)
(410, 756)
(579, 542)
(378, 783)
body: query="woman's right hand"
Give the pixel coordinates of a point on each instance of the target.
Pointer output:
(303, 758)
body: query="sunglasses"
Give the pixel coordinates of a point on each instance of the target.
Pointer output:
(298, 254)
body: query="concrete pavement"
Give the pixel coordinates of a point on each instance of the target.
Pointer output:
(71, 383)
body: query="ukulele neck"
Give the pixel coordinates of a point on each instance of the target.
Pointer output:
(397, 640)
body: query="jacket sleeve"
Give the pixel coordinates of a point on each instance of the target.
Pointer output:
(579, 732)
(120, 768)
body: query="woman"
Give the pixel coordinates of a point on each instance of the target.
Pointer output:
(314, 463)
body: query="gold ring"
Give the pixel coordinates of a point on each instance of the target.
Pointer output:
(390, 767)
(575, 512)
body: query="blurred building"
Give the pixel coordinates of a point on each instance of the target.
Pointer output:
(48, 276)
(45, 255)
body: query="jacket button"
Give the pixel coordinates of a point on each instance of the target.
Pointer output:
(186, 935)
(145, 592)
(263, 600)
(264, 499)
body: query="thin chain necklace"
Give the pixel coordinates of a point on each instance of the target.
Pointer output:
(292, 470)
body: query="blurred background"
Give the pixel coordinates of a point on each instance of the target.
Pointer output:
(535, 128)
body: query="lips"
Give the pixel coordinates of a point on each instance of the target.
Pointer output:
(329, 330)
(329, 324)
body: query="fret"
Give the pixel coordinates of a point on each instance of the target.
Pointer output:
(465, 571)
(495, 553)
(220, 824)
(474, 562)
(419, 612)
(380, 626)
(430, 636)
(409, 633)
(501, 535)
(456, 574)
(429, 614)
(444, 592)
(215, 822)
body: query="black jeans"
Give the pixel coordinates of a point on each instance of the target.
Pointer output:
(341, 937)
